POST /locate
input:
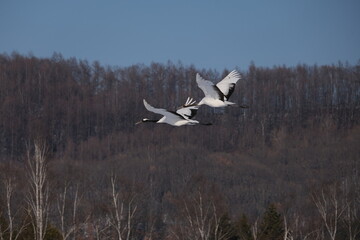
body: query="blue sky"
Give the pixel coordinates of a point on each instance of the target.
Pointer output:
(208, 34)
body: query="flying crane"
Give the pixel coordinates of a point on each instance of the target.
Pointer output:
(217, 95)
(181, 117)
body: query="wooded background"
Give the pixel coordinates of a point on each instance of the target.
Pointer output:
(298, 140)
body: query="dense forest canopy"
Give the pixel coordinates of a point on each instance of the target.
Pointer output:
(301, 133)
(66, 101)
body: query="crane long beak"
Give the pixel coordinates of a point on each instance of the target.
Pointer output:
(138, 122)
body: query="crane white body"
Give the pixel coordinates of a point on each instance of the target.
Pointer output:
(181, 117)
(217, 95)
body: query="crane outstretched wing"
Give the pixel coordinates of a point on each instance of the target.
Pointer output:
(169, 115)
(209, 88)
(189, 109)
(227, 85)
(154, 110)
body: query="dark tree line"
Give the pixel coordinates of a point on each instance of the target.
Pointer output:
(299, 136)
(68, 101)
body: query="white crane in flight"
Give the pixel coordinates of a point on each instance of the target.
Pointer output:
(217, 95)
(181, 117)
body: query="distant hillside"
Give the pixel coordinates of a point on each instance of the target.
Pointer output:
(300, 134)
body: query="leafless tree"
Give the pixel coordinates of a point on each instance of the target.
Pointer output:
(12, 231)
(39, 192)
(350, 217)
(255, 229)
(99, 228)
(123, 212)
(67, 226)
(217, 231)
(201, 219)
(330, 210)
(351, 201)
(287, 231)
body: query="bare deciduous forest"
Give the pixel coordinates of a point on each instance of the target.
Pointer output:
(74, 165)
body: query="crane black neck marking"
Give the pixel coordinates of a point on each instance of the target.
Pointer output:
(152, 120)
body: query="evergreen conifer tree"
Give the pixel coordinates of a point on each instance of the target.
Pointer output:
(244, 229)
(272, 226)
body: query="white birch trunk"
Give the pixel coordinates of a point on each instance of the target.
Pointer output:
(67, 229)
(122, 219)
(38, 197)
(329, 210)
